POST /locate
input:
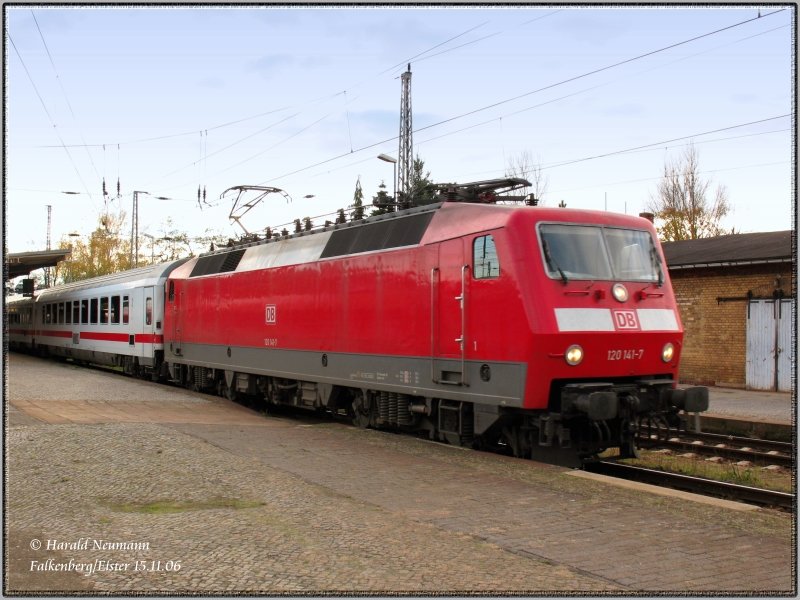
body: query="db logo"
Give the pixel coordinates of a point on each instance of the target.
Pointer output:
(270, 313)
(625, 319)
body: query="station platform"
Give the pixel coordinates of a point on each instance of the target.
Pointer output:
(119, 486)
(770, 407)
(769, 415)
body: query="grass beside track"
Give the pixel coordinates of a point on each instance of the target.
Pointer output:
(760, 477)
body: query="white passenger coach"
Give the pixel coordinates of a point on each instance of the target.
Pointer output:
(111, 320)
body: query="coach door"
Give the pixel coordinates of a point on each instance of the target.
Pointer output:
(449, 300)
(149, 321)
(769, 345)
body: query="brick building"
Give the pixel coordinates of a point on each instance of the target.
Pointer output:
(736, 298)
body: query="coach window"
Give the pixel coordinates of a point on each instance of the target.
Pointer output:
(48, 313)
(148, 311)
(84, 311)
(104, 310)
(485, 263)
(68, 312)
(115, 309)
(171, 293)
(76, 312)
(125, 310)
(93, 310)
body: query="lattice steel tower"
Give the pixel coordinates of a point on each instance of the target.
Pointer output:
(405, 154)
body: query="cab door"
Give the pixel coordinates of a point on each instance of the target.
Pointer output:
(449, 303)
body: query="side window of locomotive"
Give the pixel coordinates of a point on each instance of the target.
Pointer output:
(93, 310)
(485, 262)
(125, 310)
(148, 311)
(115, 309)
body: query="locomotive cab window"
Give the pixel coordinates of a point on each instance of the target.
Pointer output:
(593, 252)
(485, 262)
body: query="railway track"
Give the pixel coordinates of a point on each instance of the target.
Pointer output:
(698, 485)
(729, 447)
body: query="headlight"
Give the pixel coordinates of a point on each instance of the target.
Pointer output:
(667, 352)
(620, 292)
(574, 355)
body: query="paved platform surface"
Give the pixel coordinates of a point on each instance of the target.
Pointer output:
(770, 407)
(156, 489)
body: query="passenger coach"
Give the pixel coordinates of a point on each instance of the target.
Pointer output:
(112, 320)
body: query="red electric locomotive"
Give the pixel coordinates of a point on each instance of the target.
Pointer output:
(535, 328)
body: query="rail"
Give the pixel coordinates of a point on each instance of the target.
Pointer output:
(698, 485)
(757, 451)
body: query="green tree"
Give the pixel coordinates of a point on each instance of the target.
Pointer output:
(105, 251)
(682, 208)
(421, 187)
(383, 201)
(358, 202)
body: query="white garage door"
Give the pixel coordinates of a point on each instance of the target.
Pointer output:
(769, 345)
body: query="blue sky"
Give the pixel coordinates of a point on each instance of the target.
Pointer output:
(168, 99)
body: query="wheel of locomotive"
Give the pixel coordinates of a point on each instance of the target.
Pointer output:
(227, 391)
(363, 409)
(448, 437)
(517, 440)
(628, 448)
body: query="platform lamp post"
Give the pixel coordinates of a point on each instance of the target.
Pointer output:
(389, 159)
(135, 226)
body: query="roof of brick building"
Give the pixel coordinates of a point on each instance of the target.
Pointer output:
(735, 249)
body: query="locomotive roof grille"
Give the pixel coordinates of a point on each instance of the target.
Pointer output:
(381, 235)
(366, 222)
(217, 263)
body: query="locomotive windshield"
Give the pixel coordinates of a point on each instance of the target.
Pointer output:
(593, 252)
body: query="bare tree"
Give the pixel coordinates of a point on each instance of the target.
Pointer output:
(522, 165)
(681, 205)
